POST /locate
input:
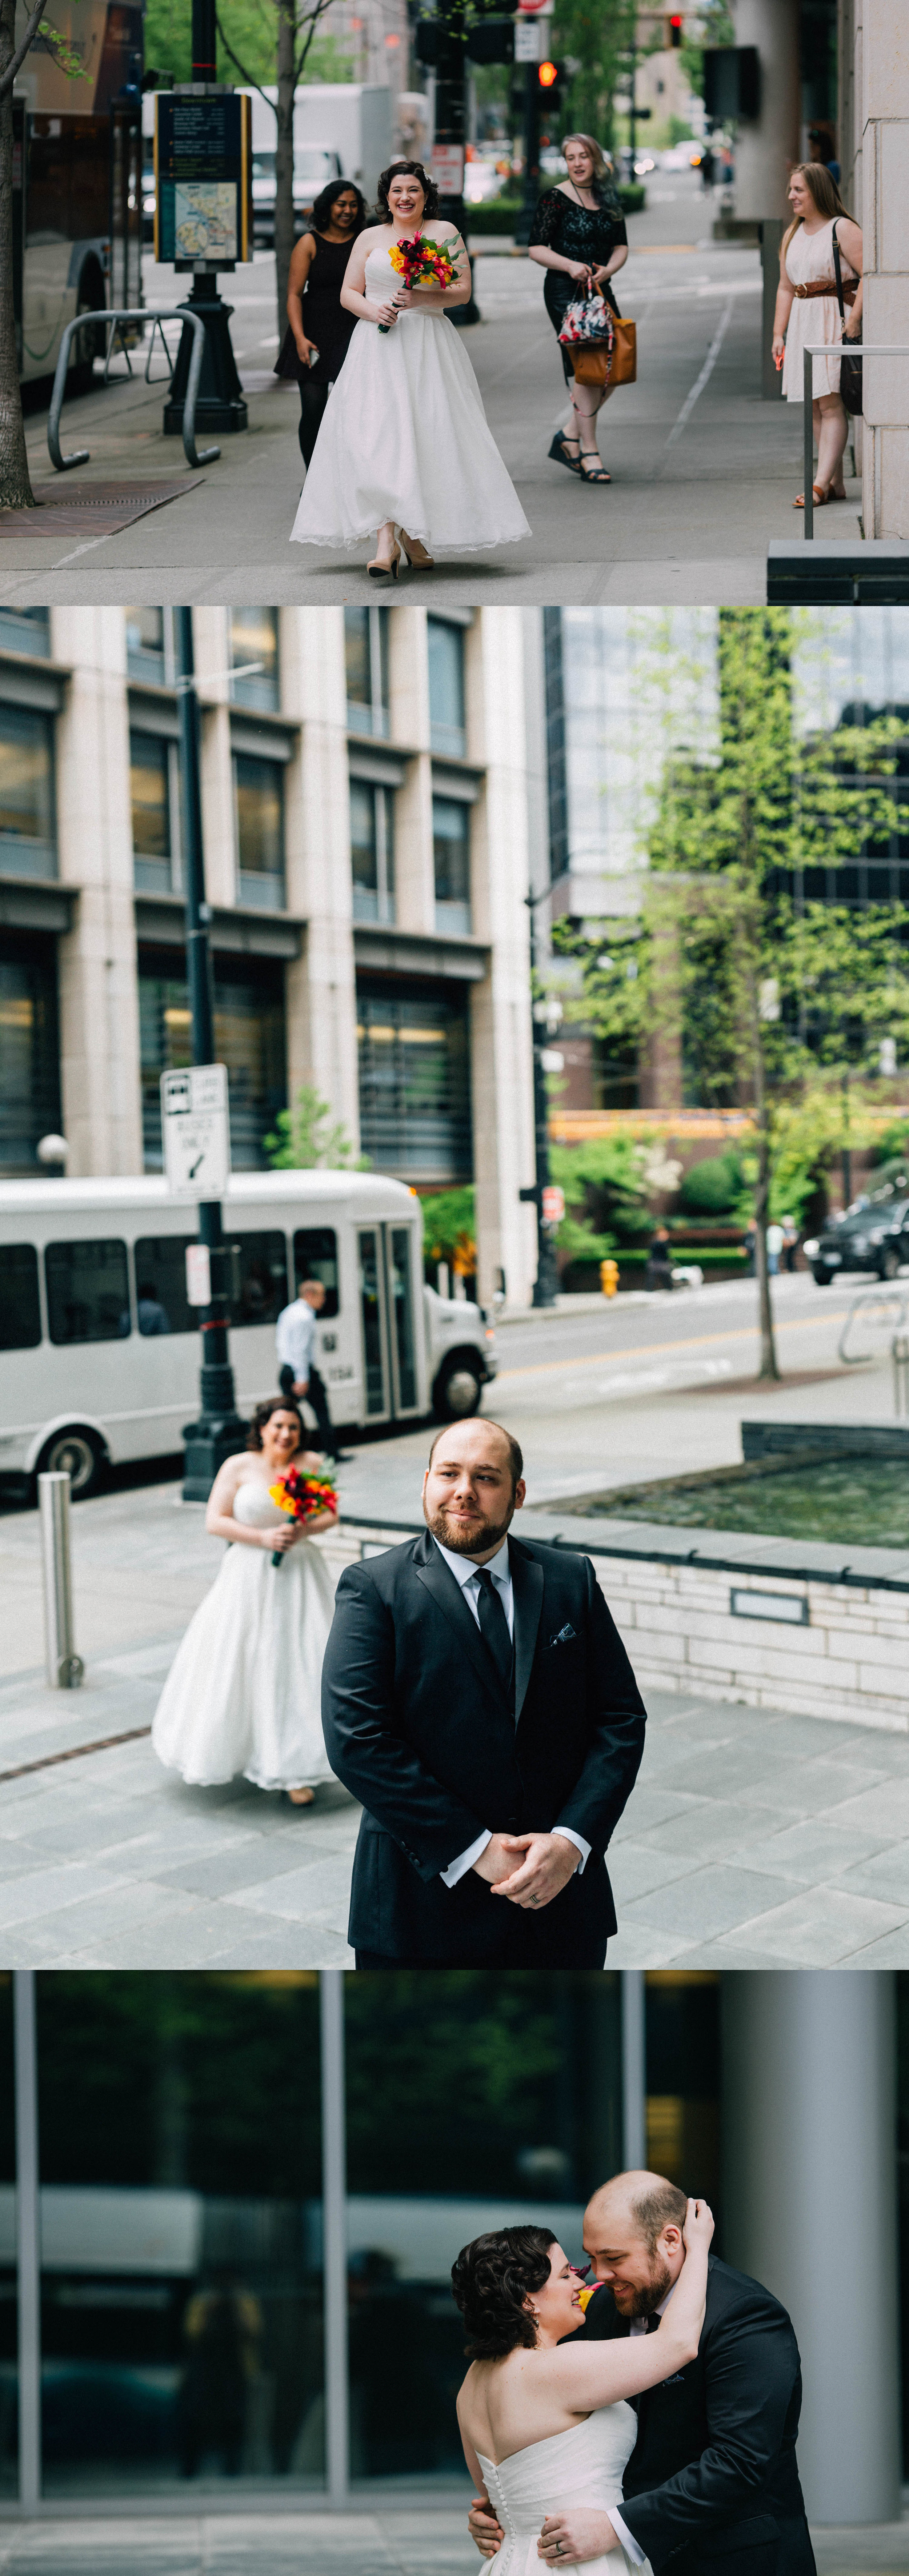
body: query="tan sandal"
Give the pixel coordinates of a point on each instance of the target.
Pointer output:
(820, 496)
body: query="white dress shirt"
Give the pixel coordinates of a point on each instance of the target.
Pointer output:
(631, 2547)
(295, 1333)
(467, 1575)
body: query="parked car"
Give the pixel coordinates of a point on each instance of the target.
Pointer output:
(872, 1236)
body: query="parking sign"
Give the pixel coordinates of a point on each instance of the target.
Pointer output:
(196, 1130)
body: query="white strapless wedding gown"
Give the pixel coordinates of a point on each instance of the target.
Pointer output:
(244, 1690)
(404, 437)
(583, 2467)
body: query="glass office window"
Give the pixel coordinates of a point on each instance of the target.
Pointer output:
(25, 630)
(249, 1039)
(147, 644)
(372, 856)
(29, 1051)
(161, 1301)
(414, 1070)
(254, 639)
(683, 2077)
(181, 2232)
(9, 2343)
(87, 1291)
(20, 1310)
(451, 860)
(474, 2100)
(366, 668)
(151, 789)
(28, 845)
(259, 795)
(316, 1257)
(446, 687)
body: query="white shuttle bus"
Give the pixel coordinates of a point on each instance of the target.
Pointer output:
(99, 1348)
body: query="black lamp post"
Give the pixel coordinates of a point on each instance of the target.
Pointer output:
(546, 1284)
(220, 405)
(450, 56)
(219, 1431)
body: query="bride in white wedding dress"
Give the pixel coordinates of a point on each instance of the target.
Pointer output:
(404, 444)
(546, 2425)
(243, 1693)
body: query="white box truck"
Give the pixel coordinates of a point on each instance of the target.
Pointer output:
(342, 129)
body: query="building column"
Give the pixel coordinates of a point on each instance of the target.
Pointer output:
(809, 2200)
(767, 146)
(321, 986)
(885, 237)
(500, 1026)
(99, 1006)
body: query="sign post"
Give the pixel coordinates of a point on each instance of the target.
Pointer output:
(203, 220)
(195, 1121)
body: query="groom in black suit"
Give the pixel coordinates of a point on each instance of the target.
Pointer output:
(478, 1700)
(712, 2483)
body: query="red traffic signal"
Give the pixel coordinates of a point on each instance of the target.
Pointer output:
(676, 28)
(547, 75)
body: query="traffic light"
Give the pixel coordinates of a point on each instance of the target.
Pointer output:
(552, 84)
(675, 29)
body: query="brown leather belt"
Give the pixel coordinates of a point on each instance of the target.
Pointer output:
(819, 286)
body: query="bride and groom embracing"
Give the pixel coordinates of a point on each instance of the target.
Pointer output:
(652, 2418)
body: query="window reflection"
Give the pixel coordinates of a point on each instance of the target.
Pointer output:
(181, 2230)
(474, 2100)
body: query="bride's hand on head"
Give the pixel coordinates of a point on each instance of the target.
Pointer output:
(699, 2225)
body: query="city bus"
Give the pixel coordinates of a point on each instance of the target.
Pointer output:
(99, 1347)
(77, 150)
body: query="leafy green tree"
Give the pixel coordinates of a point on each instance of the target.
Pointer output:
(449, 1229)
(594, 41)
(306, 1136)
(296, 22)
(605, 1195)
(770, 991)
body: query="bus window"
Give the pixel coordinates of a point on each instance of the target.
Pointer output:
(20, 1312)
(263, 1278)
(161, 1284)
(67, 197)
(87, 1291)
(316, 1251)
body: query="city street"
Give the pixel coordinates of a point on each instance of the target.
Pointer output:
(704, 471)
(753, 1837)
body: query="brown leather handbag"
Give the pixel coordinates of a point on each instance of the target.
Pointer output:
(594, 366)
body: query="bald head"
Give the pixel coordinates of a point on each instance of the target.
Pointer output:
(633, 2236)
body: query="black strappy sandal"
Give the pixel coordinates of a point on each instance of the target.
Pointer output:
(560, 454)
(599, 475)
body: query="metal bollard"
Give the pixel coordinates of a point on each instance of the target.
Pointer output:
(65, 1668)
(900, 1355)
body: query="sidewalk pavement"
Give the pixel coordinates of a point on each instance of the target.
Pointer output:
(383, 2541)
(704, 470)
(752, 1838)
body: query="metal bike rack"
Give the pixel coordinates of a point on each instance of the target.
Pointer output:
(868, 1298)
(899, 1352)
(195, 456)
(832, 349)
(64, 1667)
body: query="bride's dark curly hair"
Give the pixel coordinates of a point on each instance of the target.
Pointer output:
(401, 170)
(490, 2282)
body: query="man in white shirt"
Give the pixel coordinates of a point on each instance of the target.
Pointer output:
(477, 1699)
(295, 1338)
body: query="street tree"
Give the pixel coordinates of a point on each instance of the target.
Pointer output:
(296, 25)
(15, 481)
(595, 43)
(769, 989)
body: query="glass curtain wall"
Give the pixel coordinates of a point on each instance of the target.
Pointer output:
(474, 2100)
(181, 2286)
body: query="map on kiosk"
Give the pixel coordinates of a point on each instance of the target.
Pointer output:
(205, 220)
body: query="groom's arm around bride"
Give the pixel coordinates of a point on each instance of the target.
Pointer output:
(477, 1699)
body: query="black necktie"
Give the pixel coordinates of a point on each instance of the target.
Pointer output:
(652, 2325)
(494, 1625)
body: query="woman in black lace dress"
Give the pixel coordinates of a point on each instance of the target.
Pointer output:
(319, 332)
(579, 232)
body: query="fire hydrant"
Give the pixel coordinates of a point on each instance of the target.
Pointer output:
(609, 1277)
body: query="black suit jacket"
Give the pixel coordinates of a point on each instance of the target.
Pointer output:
(713, 2471)
(420, 1728)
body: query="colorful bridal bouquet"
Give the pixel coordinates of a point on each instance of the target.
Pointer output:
(302, 1497)
(421, 262)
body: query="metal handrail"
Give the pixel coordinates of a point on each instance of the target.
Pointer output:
(866, 1299)
(833, 349)
(168, 313)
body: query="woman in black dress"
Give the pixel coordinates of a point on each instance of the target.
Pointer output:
(319, 331)
(579, 232)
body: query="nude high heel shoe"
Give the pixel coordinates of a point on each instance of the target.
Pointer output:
(417, 556)
(385, 571)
